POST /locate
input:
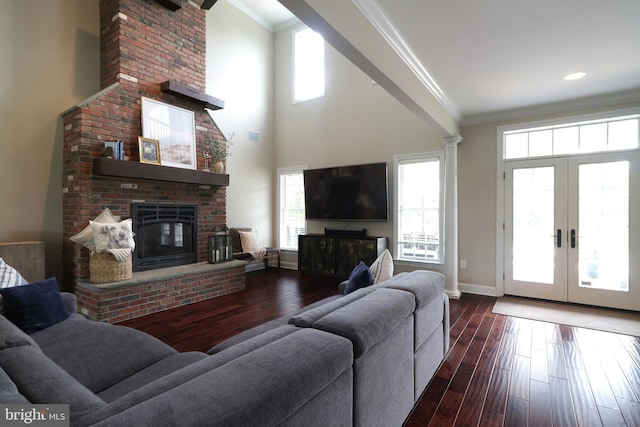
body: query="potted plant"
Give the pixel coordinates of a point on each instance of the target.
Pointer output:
(218, 150)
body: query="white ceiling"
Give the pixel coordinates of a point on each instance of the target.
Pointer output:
(503, 58)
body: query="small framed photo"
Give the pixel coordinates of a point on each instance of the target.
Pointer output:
(149, 150)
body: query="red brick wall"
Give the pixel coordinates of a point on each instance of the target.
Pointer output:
(122, 303)
(142, 45)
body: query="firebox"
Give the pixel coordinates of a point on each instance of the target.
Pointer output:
(166, 235)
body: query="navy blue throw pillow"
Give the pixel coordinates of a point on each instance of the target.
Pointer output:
(35, 306)
(360, 277)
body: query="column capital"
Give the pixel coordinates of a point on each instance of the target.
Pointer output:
(451, 140)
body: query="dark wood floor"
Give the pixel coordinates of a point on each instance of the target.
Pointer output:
(500, 371)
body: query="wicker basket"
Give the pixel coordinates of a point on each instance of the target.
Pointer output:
(104, 268)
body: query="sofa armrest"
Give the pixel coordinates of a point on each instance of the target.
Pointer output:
(70, 301)
(342, 287)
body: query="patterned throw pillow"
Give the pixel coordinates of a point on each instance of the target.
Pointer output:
(113, 235)
(9, 276)
(382, 268)
(85, 237)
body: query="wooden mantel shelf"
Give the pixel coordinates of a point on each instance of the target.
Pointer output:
(183, 91)
(129, 169)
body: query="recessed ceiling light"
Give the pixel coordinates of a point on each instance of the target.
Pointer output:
(575, 76)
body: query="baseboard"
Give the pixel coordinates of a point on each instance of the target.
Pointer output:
(469, 288)
(289, 265)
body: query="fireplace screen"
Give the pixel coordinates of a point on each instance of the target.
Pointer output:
(166, 235)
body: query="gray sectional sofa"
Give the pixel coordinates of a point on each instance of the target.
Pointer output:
(362, 359)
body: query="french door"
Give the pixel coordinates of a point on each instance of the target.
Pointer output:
(572, 229)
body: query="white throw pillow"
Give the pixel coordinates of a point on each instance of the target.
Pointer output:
(112, 235)
(85, 237)
(382, 267)
(249, 241)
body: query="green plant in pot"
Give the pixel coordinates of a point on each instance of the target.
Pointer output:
(218, 150)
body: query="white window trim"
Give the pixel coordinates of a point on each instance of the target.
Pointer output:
(293, 69)
(409, 157)
(285, 171)
(500, 171)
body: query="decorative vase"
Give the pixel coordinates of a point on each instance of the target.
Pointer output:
(218, 166)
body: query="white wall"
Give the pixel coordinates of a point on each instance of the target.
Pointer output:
(240, 72)
(355, 122)
(50, 54)
(477, 158)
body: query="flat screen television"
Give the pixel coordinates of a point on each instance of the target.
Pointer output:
(347, 193)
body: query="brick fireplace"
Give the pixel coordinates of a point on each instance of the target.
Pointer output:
(147, 50)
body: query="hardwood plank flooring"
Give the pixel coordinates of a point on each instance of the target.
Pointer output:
(270, 294)
(500, 370)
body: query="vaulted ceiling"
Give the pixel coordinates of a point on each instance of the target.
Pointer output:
(485, 61)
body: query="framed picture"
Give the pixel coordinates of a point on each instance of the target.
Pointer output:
(174, 128)
(149, 150)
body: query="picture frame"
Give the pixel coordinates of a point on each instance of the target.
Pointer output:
(175, 130)
(149, 150)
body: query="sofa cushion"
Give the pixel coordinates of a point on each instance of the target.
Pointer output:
(370, 319)
(35, 306)
(174, 379)
(360, 277)
(428, 289)
(150, 374)
(265, 327)
(98, 354)
(40, 380)
(263, 387)
(12, 336)
(424, 285)
(307, 318)
(8, 391)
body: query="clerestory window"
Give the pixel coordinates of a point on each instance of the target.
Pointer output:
(308, 65)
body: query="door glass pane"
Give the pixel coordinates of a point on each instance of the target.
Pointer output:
(603, 230)
(533, 224)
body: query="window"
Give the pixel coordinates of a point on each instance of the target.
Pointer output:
(419, 207)
(612, 134)
(308, 68)
(292, 218)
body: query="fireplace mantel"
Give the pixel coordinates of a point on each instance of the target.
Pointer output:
(130, 169)
(191, 94)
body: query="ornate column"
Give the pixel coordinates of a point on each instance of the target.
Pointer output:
(451, 215)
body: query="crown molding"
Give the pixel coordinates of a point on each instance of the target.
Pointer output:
(251, 14)
(374, 13)
(599, 101)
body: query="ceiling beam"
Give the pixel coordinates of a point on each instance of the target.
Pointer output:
(348, 30)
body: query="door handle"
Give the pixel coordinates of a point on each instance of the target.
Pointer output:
(559, 238)
(573, 238)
